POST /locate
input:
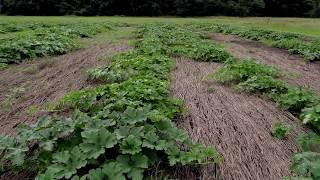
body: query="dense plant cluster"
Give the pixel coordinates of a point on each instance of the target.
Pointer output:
(307, 163)
(295, 43)
(119, 129)
(181, 41)
(18, 27)
(50, 40)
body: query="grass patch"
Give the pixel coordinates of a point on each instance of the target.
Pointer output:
(280, 131)
(11, 98)
(3, 66)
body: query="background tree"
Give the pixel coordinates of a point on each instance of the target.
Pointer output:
(289, 8)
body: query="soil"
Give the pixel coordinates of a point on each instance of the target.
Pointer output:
(46, 80)
(238, 124)
(298, 71)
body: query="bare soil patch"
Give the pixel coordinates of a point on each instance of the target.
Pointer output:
(28, 87)
(300, 72)
(238, 124)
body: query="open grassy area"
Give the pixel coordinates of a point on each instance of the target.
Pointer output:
(306, 26)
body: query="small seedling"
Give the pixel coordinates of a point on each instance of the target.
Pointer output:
(33, 109)
(30, 70)
(280, 131)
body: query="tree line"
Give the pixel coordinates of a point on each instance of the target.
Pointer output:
(279, 8)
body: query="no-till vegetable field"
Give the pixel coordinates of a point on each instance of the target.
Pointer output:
(163, 98)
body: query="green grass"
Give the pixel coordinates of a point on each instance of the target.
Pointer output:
(115, 36)
(305, 26)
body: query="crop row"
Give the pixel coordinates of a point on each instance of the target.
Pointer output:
(308, 47)
(253, 77)
(250, 76)
(122, 127)
(23, 26)
(51, 40)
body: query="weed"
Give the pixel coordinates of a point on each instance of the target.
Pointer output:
(33, 109)
(279, 130)
(47, 63)
(3, 66)
(264, 84)
(211, 89)
(53, 40)
(30, 70)
(11, 98)
(306, 165)
(295, 75)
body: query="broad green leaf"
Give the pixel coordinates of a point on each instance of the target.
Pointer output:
(131, 145)
(114, 170)
(133, 116)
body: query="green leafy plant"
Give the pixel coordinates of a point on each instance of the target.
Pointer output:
(297, 99)
(3, 66)
(310, 142)
(264, 84)
(311, 116)
(44, 41)
(279, 130)
(240, 71)
(307, 163)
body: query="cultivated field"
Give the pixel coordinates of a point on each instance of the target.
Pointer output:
(159, 98)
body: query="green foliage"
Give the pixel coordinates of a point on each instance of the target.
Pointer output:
(18, 27)
(311, 116)
(297, 99)
(295, 43)
(279, 130)
(240, 71)
(53, 40)
(264, 84)
(11, 98)
(118, 130)
(3, 66)
(307, 163)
